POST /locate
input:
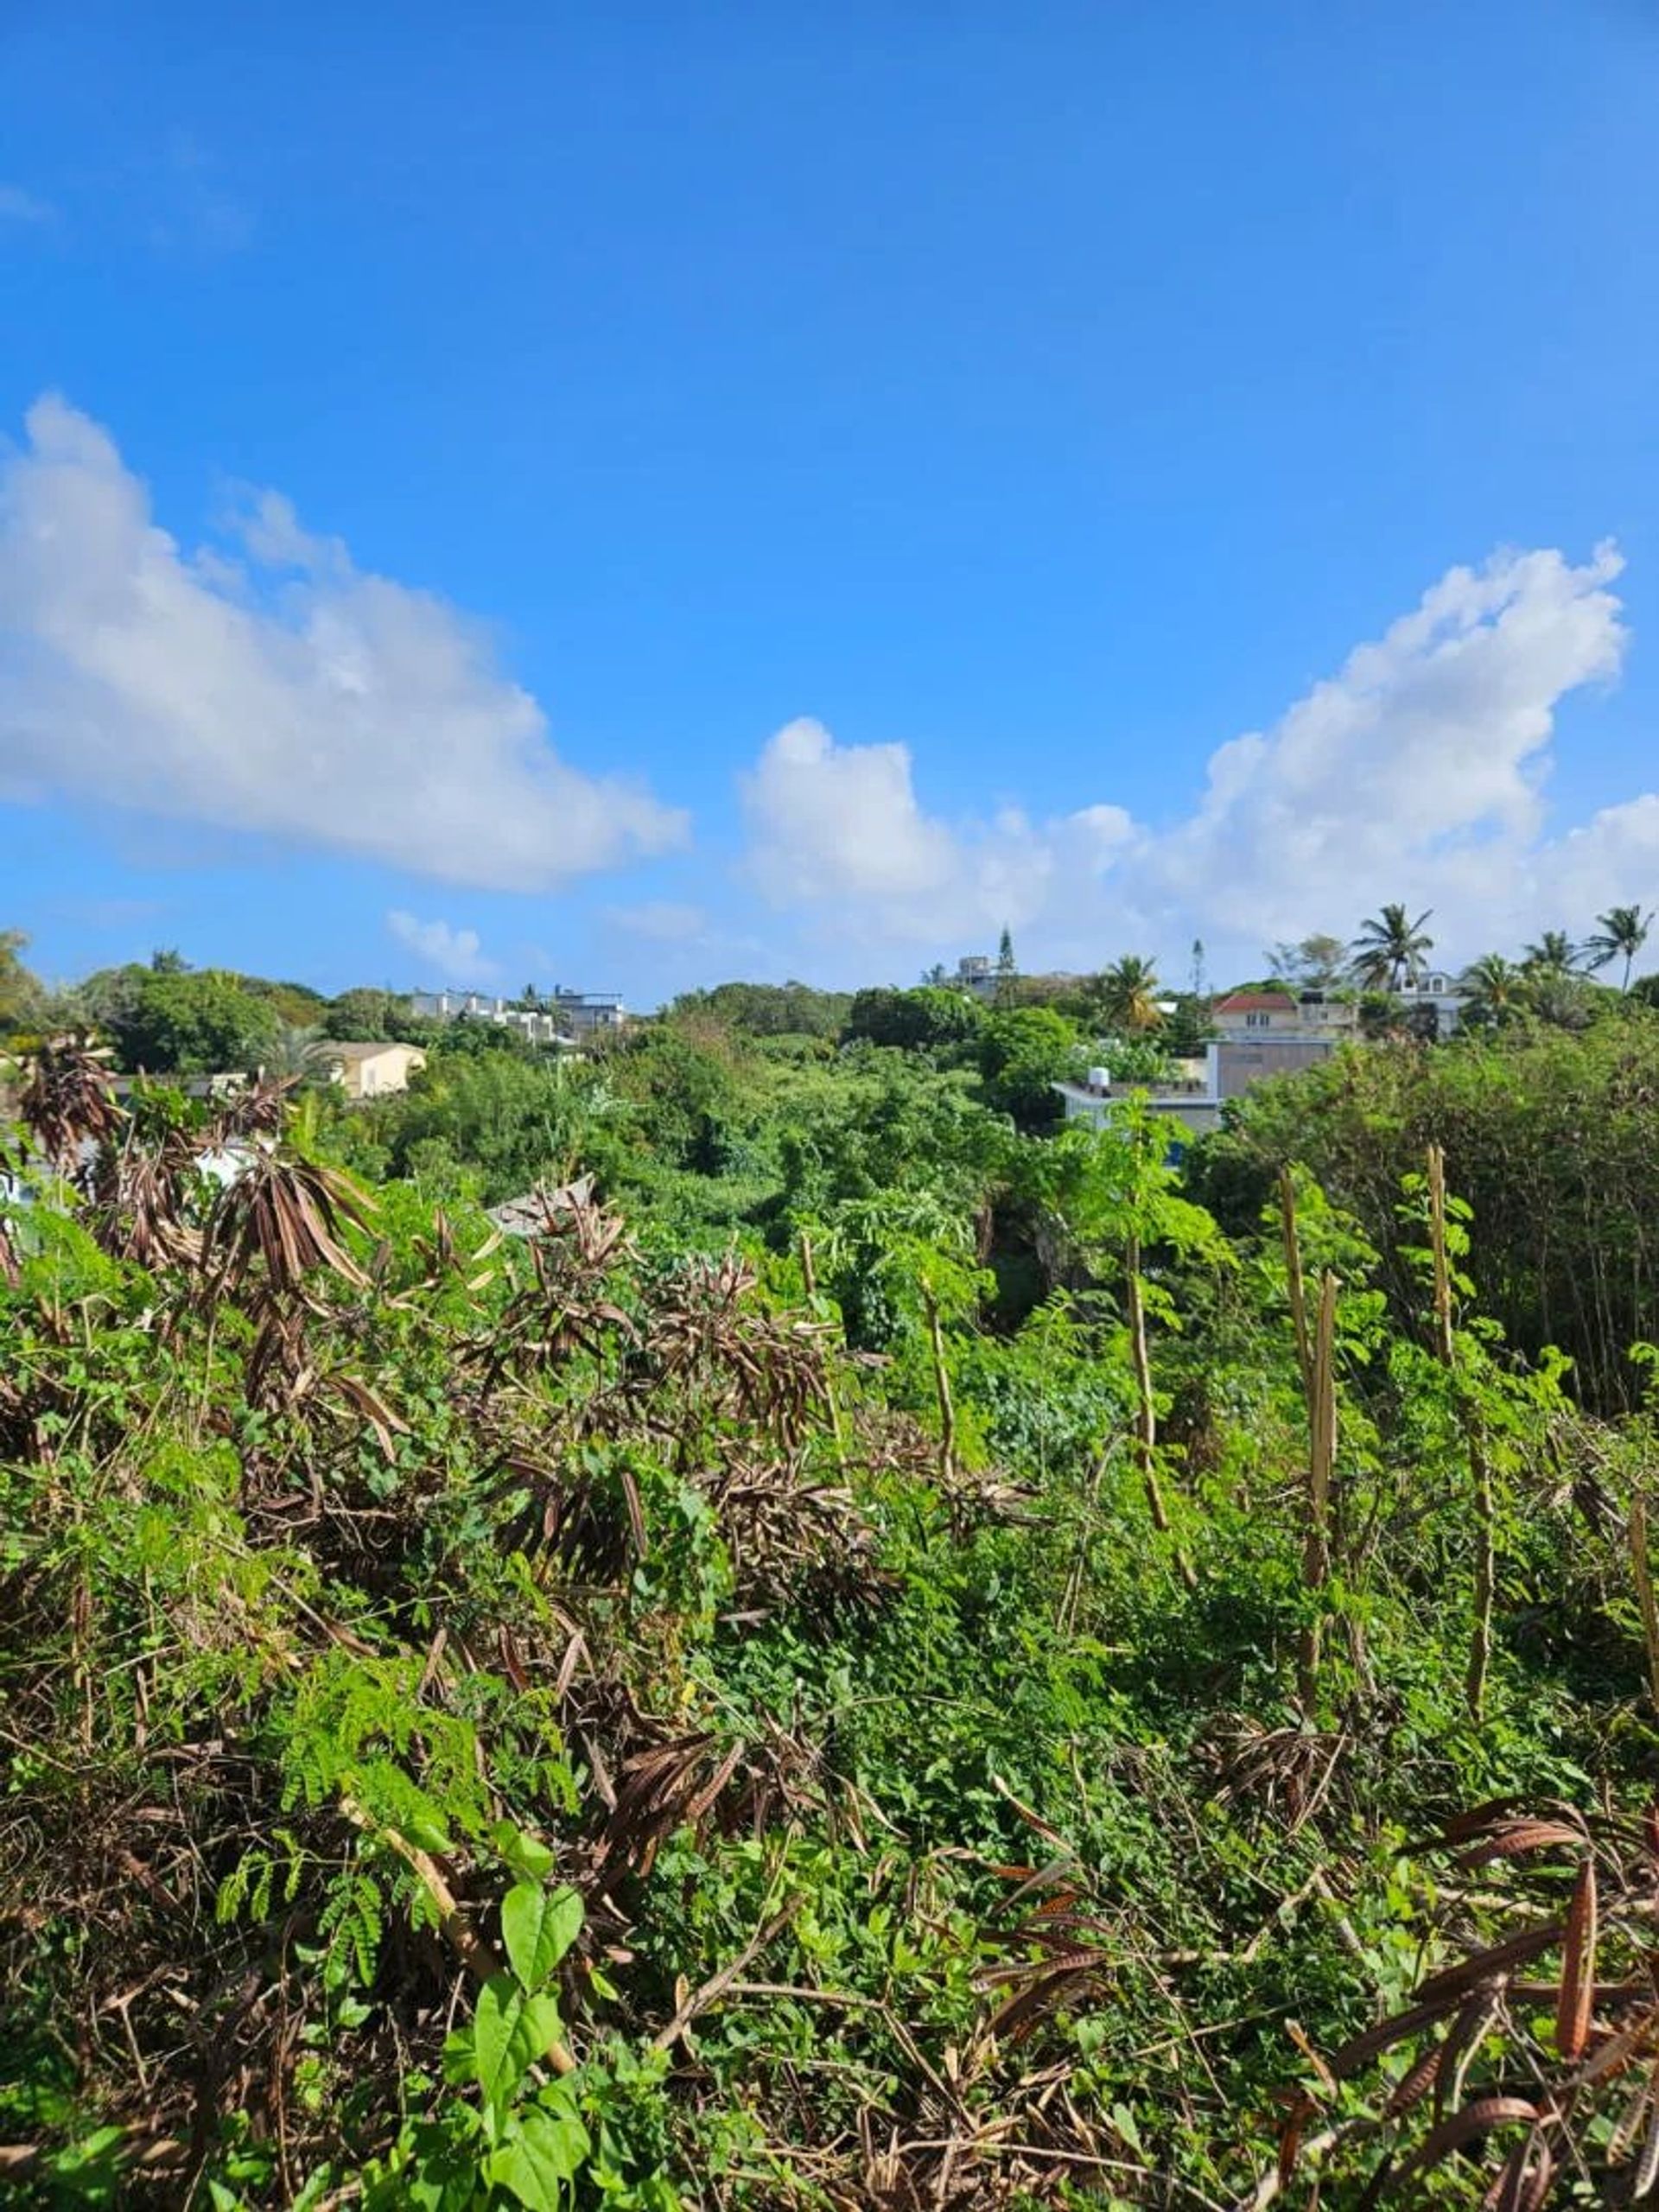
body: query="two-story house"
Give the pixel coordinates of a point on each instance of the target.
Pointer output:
(1260, 1033)
(1435, 990)
(1251, 1017)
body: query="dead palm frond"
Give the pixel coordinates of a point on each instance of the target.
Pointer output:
(142, 1198)
(68, 1104)
(283, 1219)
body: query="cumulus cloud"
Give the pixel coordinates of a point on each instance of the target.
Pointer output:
(1420, 765)
(278, 689)
(456, 956)
(840, 828)
(1416, 771)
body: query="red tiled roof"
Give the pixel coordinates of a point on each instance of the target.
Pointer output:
(1255, 1002)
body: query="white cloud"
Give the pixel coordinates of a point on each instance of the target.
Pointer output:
(457, 955)
(840, 828)
(282, 690)
(832, 821)
(1415, 772)
(663, 921)
(17, 206)
(1419, 766)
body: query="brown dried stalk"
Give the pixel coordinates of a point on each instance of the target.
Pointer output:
(941, 1388)
(1644, 1574)
(1480, 1640)
(1316, 1360)
(1145, 1412)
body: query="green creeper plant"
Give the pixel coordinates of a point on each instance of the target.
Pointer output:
(527, 2127)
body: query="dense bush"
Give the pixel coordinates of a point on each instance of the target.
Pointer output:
(924, 1020)
(1548, 1134)
(598, 1721)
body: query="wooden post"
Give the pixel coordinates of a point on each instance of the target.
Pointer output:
(1145, 1412)
(1321, 1472)
(809, 1275)
(1643, 1573)
(942, 1388)
(1316, 1362)
(1480, 1471)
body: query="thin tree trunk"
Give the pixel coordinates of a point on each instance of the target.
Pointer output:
(1145, 1412)
(1480, 1637)
(1321, 1469)
(809, 1275)
(1644, 1574)
(1316, 1363)
(942, 1388)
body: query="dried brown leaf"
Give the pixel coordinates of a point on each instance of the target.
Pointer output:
(1578, 1967)
(1519, 1836)
(1452, 1981)
(1463, 2127)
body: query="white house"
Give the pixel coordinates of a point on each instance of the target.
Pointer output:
(1435, 989)
(560, 1017)
(1196, 1092)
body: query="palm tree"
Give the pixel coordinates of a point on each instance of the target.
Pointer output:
(297, 1049)
(1493, 986)
(1389, 950)
(1622, 933)
(1555, 954)
(1128, 993)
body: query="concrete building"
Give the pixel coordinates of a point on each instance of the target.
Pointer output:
(1249, 1017)
(372, 1070)
(1198, 1090)
(977, 974)
(559, 1017)
(1437, 992)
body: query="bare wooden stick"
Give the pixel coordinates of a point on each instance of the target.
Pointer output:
(942, 1388)
(455, 1922)
(1321, 1473)
(1316, 1362)
(1643, 1573)
(1480, 1635)
(1293, 1276)
(810, 1277)
(1480, 1471)
(1145, 1412)
(1445, 1343)
(718, 1984)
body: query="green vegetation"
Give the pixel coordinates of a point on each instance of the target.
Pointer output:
(891, 1654)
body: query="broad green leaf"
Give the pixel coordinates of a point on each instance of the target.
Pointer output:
(440, 2176)
(511, 2031)
(424, 1827)
(542, 2153)
(539, 1927)
(529, 1859)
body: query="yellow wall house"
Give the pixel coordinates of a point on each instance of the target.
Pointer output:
(374, 1070)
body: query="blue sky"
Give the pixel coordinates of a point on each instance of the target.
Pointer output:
(628, 497)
